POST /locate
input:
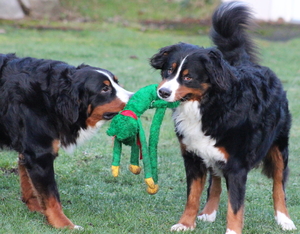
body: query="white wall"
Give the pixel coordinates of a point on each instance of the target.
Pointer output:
(275, 10)
(296, 11)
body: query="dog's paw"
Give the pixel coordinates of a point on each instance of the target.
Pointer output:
(228, 231)
(284, 222)
(208, 217)
(180, 227)
(79, 228)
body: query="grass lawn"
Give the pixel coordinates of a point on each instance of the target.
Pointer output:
(91, 197)
(119, 10)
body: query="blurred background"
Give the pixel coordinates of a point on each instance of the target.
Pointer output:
(121, 36)
(279, 20)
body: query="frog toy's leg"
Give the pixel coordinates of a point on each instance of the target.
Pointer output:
(116, 157)
(153, 140)
(134, 159)
(152, 187)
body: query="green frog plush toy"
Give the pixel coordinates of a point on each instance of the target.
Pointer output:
(126, 127)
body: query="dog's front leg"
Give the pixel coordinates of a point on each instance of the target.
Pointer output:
(196, 177)
(40, 171)
(29, 195)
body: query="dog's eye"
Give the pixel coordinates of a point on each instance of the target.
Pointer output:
(106, 89)
(170, 70)
(187, 78)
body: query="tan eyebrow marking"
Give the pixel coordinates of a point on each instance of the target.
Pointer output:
(185, 72)
(174, 65)
(107, 82)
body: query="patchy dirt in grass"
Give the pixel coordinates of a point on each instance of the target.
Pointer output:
(8, 171)
(187, 26)
(278, 32)
(267, 31)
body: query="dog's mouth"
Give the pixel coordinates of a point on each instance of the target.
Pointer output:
(109, 115)
(186, 98)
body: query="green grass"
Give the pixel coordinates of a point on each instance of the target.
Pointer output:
(180, 16)
(119, 10)
(91, 197)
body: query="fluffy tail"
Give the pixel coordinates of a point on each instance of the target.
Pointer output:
(229, 33)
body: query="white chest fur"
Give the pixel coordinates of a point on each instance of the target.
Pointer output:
(83, 136)
(188, 124)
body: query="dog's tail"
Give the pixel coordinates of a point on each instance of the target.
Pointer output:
(230, 23)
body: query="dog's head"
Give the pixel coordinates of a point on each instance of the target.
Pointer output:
(96, 96)
(188, 72)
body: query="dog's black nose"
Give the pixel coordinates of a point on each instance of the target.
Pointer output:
(164, 93)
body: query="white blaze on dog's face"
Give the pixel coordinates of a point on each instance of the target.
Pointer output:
(107, 98)
(183, 82)
(110, 98)
(121, 93)
(168, 88)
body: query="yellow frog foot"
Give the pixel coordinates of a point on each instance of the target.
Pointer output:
(115, 170)
(135, 169)
(152, 191)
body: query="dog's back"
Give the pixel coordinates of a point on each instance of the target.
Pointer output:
(29, 87)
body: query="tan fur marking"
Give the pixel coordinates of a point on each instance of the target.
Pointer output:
(185, 72)
(182, 146)
(204, 86)
(174, 65)
(161, 84)
(235, 222)
(55, 215)
(89, 109)
(107, 82)
(114, 106)
(182, 91)
(278, 190)
(223, 151)
(192, 205)
(214, 196)
(55, 146)
(196, 94)
(29, 194)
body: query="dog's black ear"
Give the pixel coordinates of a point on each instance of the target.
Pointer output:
(67, 102)
(82, 66)
(218, 70)
(158, 60)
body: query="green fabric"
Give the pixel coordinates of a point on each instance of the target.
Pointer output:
(126, 129)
